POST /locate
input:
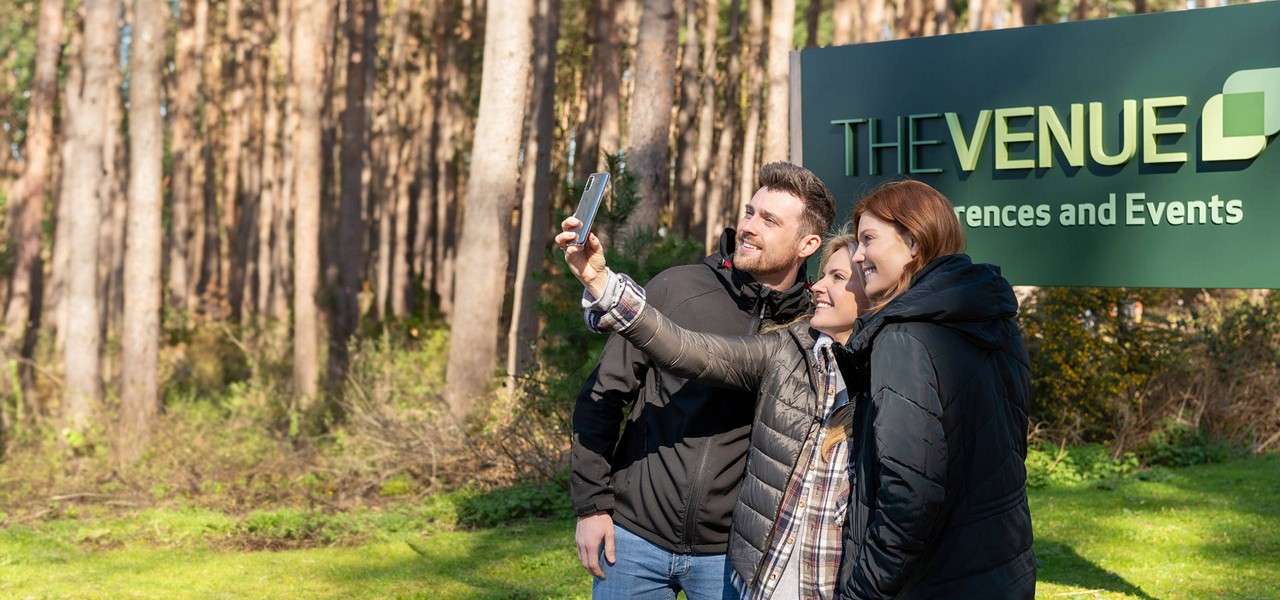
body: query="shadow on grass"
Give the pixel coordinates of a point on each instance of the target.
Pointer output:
(1061, 564)
(532, 559)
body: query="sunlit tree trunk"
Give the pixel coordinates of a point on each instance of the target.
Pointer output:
(536, 202)
(782, 16)
(491, 196)
(683, 210)
(311, 23)
(28, 192)
(754, 98)
(650, 121)
(87, 170)
(139, 391)
(720, 198)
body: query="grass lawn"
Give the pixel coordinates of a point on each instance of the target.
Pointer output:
(1202, 532)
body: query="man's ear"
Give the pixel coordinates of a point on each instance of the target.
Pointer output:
(809, 244)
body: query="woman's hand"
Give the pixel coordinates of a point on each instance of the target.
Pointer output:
(586, 262)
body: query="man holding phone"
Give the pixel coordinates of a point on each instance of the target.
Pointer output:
(657, 460)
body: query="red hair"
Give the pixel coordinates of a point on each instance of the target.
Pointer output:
(917, 210)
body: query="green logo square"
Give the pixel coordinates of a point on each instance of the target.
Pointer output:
(1242, 114)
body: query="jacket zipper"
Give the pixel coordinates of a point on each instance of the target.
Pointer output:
(691, 509)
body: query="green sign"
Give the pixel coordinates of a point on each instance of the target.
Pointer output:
(1134, 151)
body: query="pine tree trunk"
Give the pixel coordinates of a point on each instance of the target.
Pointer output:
(186, 149)
(87, 170)
(811, 17)
(362, 49)
(844, 21)
(782, 17)
(608, 69)
(233, 90)
(139, 392)
(873, 21)
(536, 204)
(650, 120)
(706, 212)
(491, 196)
(311, 23)
(28, 192)
(750, 137)
(683, 209)
(720, 198)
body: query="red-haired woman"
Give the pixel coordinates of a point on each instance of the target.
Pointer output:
(939, 507)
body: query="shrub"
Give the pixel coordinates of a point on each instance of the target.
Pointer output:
(1062, 465)
(1179, 444)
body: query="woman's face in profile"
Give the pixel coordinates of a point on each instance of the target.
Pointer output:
(882, 254)
(837, 296)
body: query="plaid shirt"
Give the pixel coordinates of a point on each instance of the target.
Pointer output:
(816, 499)
(814, 503)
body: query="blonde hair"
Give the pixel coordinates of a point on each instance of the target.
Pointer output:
(842, 422)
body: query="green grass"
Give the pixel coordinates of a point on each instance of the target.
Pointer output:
(1200, 532)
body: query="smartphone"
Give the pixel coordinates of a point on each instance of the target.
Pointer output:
(592, 195)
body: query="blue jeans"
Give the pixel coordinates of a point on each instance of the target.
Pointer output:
(648, 572)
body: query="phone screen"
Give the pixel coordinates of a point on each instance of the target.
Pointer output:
(592, 194)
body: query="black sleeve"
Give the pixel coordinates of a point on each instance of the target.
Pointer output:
(598, 413)
(910, 450)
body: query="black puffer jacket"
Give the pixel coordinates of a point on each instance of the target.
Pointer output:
(673, 477)
(940, 502)
(780, 366)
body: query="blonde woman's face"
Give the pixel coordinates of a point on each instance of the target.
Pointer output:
(882, 254)
(838, 296)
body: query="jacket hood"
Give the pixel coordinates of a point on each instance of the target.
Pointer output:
(954, 292)
(779, 306)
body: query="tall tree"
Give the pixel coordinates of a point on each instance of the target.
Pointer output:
(491, 196)
(536, 203)
(844, 16)
(812, 15)
(650, 119)
(28, 192)
(782, 17)
(708, 212)
(361, 31)
(720, 198)
(685, 212)
(312, 20)
(139, 393)
(753, 101)
(186, 148)
(87, 126)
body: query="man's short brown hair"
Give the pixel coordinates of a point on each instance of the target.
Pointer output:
(819, 204)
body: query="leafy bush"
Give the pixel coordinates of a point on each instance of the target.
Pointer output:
(471, 507)
(1062, 465)
(1179, 444)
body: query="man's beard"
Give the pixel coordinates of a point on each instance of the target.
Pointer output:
(764, 261)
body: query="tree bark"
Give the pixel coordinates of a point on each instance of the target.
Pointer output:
(812, 15)
(650, 120)
(754, 98)
(777, 140)
(139, 392)
(536, 202)
(844, 21)
(28, 192)
(87, 170)
(720, 198)
(706, 212)
(491, 196)
(362, 48)
(683, 210)
(311, 23)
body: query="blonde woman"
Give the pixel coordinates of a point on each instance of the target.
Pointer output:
(785, 540)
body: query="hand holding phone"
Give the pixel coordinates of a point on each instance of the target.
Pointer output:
(582, 249)
(589, 204)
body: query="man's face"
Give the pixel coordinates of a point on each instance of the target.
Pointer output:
(769, 234)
